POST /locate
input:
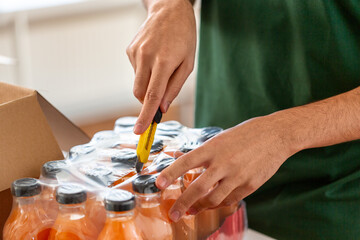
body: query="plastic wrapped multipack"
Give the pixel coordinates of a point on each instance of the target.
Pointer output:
(95, 193)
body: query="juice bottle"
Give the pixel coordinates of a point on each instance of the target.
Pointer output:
(151, 219)
(27, 220)
(48, 194)
(226, 211)
(208, 220)
(185, 228)
(120, 223)
(71, 222)
(94, 210)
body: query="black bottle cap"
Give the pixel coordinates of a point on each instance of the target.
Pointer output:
(81, 150)
(169, 126)
(104, 135)
(162, 166)
(101, 174)
(125, 156)
(189, 146)
(209, 132)
(157, 146)
(164, 163)
(25, 187)
(166, 159)
(70, 194)
(118, 200)
(125, 122)
(50, 169)
(145, 184)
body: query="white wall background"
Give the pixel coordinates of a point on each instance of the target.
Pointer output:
(74, 55)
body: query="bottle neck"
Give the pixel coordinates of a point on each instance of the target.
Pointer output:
(50, 182)
(148, 200)
(26, 201)
(72, 211)
(25, 204)
(120, 216)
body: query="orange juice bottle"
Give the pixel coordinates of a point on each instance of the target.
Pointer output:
(120, 223)
(186, 227)
(48, 195)
(208, 220)
(226, 211)
(151, 219)
(27, 220)
(71, 222)
(94, 210)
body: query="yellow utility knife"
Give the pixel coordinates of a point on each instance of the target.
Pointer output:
(145, 142)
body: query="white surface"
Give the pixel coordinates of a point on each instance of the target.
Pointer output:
(254, 235)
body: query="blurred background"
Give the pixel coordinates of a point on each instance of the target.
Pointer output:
(73, 53)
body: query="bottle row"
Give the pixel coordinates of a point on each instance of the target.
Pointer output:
(95, 193)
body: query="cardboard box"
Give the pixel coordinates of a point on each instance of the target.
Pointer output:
(32, 132)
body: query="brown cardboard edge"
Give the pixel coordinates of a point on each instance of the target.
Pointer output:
(66, 132)
(17, 92)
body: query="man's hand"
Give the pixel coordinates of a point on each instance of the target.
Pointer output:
(241, 159)
(237, 162)
(162, 55)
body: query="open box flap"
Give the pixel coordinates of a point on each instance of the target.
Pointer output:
(66, 132)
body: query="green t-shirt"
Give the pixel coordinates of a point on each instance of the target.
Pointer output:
(260, 56)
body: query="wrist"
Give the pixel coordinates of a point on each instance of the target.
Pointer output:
(154, 6)
(285, 128)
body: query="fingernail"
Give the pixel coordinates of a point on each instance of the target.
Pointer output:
(167, 104)
(192, 211)
(137, 128)
(175, 216)
(161, 182)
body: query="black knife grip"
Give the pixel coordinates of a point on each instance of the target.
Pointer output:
(158, 116)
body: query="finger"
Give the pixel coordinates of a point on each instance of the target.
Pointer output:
(191, 160)
(154, 93)
(196, 190)
(175, 84)
(131, 55)
(214, 198)
(142, 78)
(236, 195)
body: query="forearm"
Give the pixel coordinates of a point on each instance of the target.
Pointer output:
(323, 123)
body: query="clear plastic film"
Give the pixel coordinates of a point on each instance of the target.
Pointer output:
(95, 193)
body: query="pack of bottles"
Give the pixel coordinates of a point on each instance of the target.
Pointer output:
(95, 193)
